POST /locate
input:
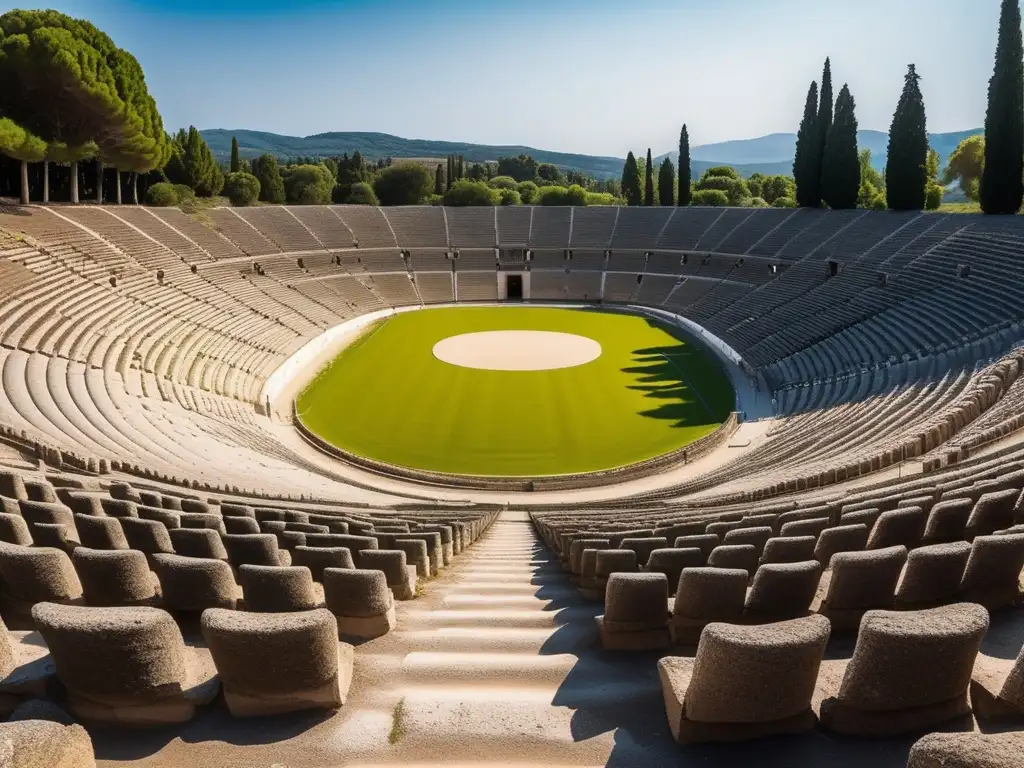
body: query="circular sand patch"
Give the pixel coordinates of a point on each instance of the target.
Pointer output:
(517, 350)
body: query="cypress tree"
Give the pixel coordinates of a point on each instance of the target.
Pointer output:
(667, 183)
(808, 194)
(448, 175)
(631, 181)
(684, 167)
(649, 181)
(906, 174)
(1002, 188)
(235, 164)
(823, 123)
(840, 168)
(439, 180)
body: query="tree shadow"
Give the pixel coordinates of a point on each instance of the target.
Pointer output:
(682, 385)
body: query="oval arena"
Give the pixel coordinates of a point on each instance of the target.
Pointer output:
(838, 523)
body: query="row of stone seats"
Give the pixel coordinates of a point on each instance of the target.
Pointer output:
(910, 672)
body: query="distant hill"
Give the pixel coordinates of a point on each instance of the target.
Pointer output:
(380, 145)
(777, 149)
(769, 155)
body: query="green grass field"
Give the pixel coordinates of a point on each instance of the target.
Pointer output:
(386, 397)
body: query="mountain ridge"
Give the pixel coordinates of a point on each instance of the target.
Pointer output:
(769, 154)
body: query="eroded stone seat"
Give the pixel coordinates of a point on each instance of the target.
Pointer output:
(400, 576)
(360, 601)
(125, 666)
(705, 595)
(859, 582)
(14, 530)
(898, 527)
(947, 521)
(671, 562)
(45, 743)
(756, 537)
(841, 538)
(705, 542)
(277, 588)
(30, 575)
(745, 682)
(635, 612)
(992, 575)
(198, 542)
(782, 591)
(992, 512)
(316, 559)
(643, 547)
(415, 555)
(607, 562)
(147, 536)
(271, 663)
(789, 549)
(997, 688)
(910, 671)
(100, 532)
(253, 549)
(193, 584)
(114, 577)
(967, 750)
(735, 556)
(932, 576)
(25, 669)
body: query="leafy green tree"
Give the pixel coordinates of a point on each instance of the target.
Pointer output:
(362, 193)
(502, 182)
(667, 183)
(509, 197)
(67, 83)
(840, 168)
(631, 181)
(758, 202)
(756, 183)
(466, 192)
(966, 165)
(905, 171)
(242, 188)
(774, 187)
(934, 191)
(21, 145)
(710, 197)
(404, 183)
(528, 192)
(784, 202)
(649, 180)
(1002, 178)
(726, 180)
(268, 173)
(308, 184)
(868, 172)
(806, 168)
(549, 174)
(684, 167)
(162, 195)
(556, 195)
(521, 168)
(235, 163)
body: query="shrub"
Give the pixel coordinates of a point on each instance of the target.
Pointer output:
(723, 183)
(933, 197)
(510, 197)
(434, 200)
(308, 184)
(712, 197)
(362, 194)
(184, 192)
(162, 195)
(784, 202)
(404, 183)
(602, 198)
(502, 182)
(878, 203)
(758, 202)
(465, 192)
(726, 171)
(242, 188)
(528, 192)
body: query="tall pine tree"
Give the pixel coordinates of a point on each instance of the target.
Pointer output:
(808, 192)
(1002, 187)
(631, 181)
(235, 164)
(685, 192)
(667, 183)
(840, 166)
(906, 173)
(649, 181)
(823, 123)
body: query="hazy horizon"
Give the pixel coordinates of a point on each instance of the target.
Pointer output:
(596, 77)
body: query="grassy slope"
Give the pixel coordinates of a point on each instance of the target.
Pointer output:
(388, 398)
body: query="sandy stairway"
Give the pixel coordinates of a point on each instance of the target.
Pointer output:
(480, 665)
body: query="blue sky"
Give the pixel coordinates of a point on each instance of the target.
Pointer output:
(589, 76)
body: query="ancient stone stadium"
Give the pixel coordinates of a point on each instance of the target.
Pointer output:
(349, 485)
